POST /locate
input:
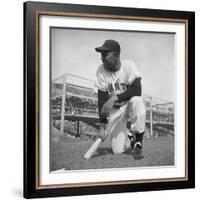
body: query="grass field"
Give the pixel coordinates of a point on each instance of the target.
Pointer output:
(68, 153)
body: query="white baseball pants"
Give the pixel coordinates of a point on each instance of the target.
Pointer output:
(134, 110)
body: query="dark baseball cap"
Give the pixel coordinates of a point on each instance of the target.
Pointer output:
(109, 45)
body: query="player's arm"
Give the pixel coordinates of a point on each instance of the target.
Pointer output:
(135, 89)
(103, 96)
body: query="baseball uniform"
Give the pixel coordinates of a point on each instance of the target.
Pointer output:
(116, 83)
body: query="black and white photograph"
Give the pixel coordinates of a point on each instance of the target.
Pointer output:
(109, 97)
(100, 99)
(112, 99)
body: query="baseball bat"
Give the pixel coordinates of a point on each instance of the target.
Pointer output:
(92, 149)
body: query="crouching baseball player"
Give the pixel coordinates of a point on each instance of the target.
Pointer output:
(119, 101)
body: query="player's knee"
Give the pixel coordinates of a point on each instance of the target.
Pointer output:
(117, 151)
(137, 106)
(117, 148)
(136, 100)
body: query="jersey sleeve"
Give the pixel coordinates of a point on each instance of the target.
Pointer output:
(132, 73)
(100, 82)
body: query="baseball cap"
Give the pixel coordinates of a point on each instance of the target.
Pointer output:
(109, 45)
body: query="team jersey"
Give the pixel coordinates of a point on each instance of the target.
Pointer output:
(116, 82)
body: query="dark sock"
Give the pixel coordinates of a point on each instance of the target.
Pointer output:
(139, 137)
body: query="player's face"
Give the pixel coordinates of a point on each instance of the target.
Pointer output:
(110, 60)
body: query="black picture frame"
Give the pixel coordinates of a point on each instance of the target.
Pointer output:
(32, 13)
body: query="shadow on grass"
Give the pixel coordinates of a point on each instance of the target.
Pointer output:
(128, 152)
(106, 151)
(103, 151)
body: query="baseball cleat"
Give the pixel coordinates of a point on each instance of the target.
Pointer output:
(137, 151)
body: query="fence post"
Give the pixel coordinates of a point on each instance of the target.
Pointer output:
(151, 118)
(62, 123)
(78, 131)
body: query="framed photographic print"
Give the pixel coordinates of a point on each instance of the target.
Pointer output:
(109, 99)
